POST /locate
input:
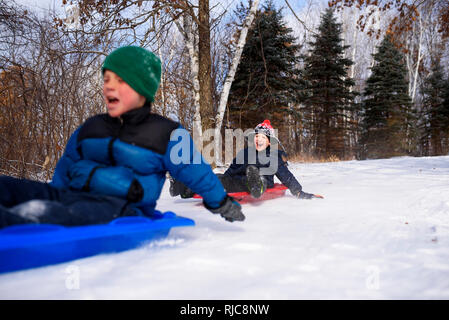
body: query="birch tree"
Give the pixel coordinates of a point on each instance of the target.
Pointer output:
(230, 77)
(186, 29)
(415, 49)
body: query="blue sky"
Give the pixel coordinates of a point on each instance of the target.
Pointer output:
(57, 4)
(44, 5)
(41, 4)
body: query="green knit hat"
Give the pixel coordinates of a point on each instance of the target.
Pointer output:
(138, 67)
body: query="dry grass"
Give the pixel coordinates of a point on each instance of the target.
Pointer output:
(313, 159)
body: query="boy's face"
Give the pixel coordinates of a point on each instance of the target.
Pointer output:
(119, 96)
(261, 142)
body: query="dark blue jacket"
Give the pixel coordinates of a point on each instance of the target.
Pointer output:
(270, 163)
(128, 157)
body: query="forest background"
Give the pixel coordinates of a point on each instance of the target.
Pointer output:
(340, 80)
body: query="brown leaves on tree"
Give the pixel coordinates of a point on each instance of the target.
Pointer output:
(408, 12)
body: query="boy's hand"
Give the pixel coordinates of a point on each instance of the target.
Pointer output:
(230, 210)
(305, 195)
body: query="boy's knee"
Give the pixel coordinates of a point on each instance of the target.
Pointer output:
(32, 210)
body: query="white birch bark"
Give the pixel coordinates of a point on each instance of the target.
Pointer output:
(354, 45)
(189, 36)
(165, 62)
(413, 67)
(418, 62)
(162, 85)
(409, 62)
(230, 78)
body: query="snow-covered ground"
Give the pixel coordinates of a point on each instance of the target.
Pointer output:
(382, 232)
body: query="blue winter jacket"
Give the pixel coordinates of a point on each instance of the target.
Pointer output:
(270, 162)
(128, 157)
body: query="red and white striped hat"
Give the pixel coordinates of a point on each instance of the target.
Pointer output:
(266, 128)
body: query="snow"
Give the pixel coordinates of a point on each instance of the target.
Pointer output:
(382, 232)
(31, 209)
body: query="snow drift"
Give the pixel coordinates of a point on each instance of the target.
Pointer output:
(382, 232)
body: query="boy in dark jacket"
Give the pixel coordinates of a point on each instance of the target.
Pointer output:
(115, 164)
(254, 168)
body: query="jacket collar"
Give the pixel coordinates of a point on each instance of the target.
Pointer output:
(136, 115)
(266, 151)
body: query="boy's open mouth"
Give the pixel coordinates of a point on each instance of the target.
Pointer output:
(112, 99)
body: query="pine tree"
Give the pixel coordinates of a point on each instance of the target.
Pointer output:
(387, 124)
(435, 92)
(329, 105)
(267, 80)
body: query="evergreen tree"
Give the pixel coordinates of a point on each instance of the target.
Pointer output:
(387, 123)
(329, 106)
(267, 80)
(446, 102)
(436, 106)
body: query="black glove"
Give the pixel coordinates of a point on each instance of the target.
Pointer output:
(229, 209)
(305, 195)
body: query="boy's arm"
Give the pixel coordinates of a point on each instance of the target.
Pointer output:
(117, 181)
(73, 172)
(187, 165)
(287, 178)
(61, 177)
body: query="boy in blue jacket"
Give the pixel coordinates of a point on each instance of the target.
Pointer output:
(254, 168)
(115, 163)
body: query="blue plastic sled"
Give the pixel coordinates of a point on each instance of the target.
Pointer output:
(34, 245)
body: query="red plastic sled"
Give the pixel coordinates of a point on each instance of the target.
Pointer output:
(245, 197)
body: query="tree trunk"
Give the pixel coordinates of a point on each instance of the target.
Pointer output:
(189, 37)
(413, 67)
(205, 65)
(230, 77)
